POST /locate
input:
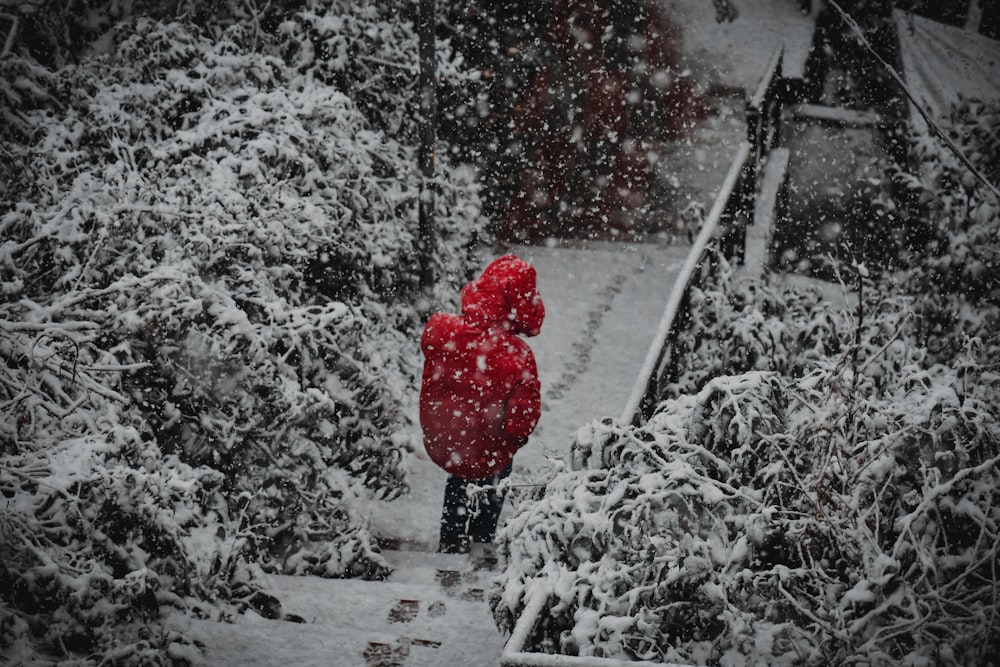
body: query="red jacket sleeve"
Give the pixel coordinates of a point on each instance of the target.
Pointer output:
(524, 406)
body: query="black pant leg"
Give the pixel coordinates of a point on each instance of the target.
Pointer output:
(486, 508)
(454, 517)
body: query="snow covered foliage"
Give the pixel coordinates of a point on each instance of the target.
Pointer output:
(359, 47)
(730, 333)
(815, 491)
(208, 277)
(957, 275)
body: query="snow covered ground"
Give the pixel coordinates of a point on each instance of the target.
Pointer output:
(735, 54)
(942, 63)
(431, 612)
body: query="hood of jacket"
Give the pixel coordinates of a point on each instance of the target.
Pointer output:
(506, 297)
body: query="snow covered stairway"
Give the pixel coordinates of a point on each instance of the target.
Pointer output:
(431, 611)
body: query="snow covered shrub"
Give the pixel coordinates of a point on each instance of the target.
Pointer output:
(736, 328)
(96, 520)
(957, 276)
(839, 507)
(207, 327)
(368, 51)
(643, 539)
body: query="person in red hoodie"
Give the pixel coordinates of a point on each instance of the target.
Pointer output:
(480, 396)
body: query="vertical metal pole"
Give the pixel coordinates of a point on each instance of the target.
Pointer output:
(428, 110)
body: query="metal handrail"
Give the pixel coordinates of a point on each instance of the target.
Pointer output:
(658, 362)
(763, 110)
(735, 198)
(771, 76)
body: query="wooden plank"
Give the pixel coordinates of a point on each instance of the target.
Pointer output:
(840, 116)
(760, 232)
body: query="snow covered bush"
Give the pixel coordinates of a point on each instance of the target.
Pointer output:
(831, 500)
(103, 535)
(208, 273)
(732, 331)
(957, 273)
(368, 50)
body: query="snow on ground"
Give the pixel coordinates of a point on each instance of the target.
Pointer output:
(690, 170)
(735, 54)
(942, 62)
(431, 612)
(606, 300)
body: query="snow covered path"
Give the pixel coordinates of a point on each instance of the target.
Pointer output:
(431, 612)
(605, 301)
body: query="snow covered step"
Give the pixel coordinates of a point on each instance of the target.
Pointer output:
(429, 569)
(363, 604)
(256, 642)
(409, 564)
(431, 611)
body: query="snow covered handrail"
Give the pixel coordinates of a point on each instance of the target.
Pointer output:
(767, 81)
(513, 652)
(763, 110)
(647, 385)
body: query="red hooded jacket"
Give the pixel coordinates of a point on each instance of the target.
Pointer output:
(480, 397)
